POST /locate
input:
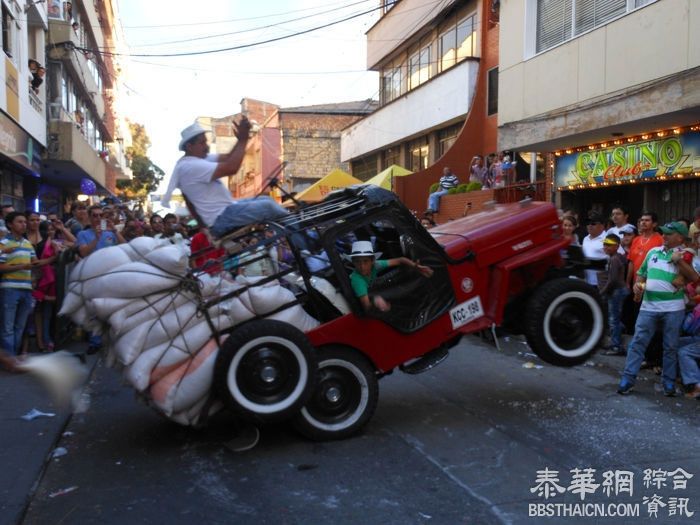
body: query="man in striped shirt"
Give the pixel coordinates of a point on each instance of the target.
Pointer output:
(17, 258)
(663, 304)
(448, 181)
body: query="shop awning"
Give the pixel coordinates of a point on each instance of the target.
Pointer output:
(384, 178)
(335, 180)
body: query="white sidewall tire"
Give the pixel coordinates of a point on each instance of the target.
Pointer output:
(593, 338)
(263, 409)
(362, 405)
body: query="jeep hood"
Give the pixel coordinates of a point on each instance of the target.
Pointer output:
(499, 233)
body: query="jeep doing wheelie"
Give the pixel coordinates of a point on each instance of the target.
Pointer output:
(269, 325)
(498, 267)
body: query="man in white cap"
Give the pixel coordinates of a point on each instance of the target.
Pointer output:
(197, 174)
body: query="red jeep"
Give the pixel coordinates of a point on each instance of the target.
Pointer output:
(501, 267)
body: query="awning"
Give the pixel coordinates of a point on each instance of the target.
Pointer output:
(383, 179)
(335, 180)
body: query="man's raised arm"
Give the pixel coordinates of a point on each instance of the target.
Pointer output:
(230, 163)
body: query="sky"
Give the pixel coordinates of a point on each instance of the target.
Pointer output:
(166, 94)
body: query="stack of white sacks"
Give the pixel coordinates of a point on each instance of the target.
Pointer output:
(137, 295)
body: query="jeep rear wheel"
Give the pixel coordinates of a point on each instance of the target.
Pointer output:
(344, 399)
(564, 321)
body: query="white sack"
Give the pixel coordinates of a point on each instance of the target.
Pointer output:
(265, 299)
(184, 386)
(147, 309)
(297, 317)
(132, 280)
(171, 259)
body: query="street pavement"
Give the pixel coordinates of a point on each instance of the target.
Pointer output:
(462, 443)
(26, 445)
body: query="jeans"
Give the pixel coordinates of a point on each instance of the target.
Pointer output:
(615, 301)
(244, 212)
(16, 307)
(688, 358)
(434, 199)
(643, 332)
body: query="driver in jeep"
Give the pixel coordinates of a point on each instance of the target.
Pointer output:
(366, 269)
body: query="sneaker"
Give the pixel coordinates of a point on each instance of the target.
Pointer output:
(669, 390)
(625, 386)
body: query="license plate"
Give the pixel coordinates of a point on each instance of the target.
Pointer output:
(466, 312)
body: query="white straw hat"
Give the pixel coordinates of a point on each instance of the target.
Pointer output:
(189, 133)
(363, 249)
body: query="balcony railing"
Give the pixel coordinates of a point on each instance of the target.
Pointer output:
(521, 190)
(35, 101)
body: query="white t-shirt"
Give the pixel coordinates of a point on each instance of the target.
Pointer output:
(209, 197)
(593, 250)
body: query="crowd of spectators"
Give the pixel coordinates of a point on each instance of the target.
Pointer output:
(648, 277)
(31, 244)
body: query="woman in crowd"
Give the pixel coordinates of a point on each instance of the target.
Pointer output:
(33, 234)
(45, 287)
(568, 226)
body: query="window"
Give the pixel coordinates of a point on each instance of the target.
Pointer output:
(419, 69)
(391, 156)
(466, 38)
(457, 43)
(9, 33)
(65, 100)
(364, 168)
(419, 154)
(562, 20)
(492, 104)
(447, 137)
(391, 87)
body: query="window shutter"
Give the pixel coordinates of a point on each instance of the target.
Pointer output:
(553, 23)
(606, 10)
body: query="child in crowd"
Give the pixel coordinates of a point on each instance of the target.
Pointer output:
(613, 287)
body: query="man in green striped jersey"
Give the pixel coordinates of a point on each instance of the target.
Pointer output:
(662, 304)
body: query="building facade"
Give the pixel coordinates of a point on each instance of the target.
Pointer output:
(306, 139)
(438, 72)
(86, 134)
(22, 102)
(610, 92)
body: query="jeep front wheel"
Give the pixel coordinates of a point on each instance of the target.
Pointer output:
(564, 321)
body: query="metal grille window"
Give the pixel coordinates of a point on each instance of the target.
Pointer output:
(562, 20)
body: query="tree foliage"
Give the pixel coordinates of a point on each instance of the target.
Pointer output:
(146, 175)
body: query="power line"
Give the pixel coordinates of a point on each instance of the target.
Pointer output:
(268, 26)
(241, 46)
(233, 19)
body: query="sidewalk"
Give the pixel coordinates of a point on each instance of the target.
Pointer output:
(26, 445)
